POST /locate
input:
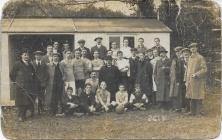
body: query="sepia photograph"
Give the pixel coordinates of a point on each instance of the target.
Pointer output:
(110, 69)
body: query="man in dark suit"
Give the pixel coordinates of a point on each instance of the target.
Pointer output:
(41, 78)
(100, 48)
(82, 47)
(23, 76)
(157, 46)
(133, 67)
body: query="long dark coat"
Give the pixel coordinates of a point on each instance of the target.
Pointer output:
(162, 79)
(133, 72)
(24, 77)
(111, 75)
(144, 76)
(176, 77)
(102, 51)
(55, 86)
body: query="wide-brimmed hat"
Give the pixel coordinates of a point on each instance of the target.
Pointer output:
(192, 45)
(98, 38)
(38, 53)
(81, 41)
(163, 50)
(178, 48)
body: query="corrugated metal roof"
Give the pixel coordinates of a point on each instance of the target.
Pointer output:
(68, 25)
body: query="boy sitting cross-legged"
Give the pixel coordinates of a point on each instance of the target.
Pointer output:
(138, 100)
(103, 98)
(70, 102)
(121, 102)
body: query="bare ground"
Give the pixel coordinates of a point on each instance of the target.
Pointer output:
(149, 124)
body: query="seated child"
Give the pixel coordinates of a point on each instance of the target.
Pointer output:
(87, 100)
(70, 102)
(103, 98)
(138, 100)
(94, 81)
(121, 98)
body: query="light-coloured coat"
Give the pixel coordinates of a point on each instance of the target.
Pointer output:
(196, 86)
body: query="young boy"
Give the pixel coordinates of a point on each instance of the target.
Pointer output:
(138, 100)
(70, 102)
(121, 98)
(87, 100)
(94, 81)
(103, 98)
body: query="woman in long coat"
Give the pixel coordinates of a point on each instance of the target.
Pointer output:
(23, 76)
(144, 75)
(55, 85)
(162, 78)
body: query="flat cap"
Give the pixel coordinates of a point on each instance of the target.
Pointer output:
(192, 45)
(98, 38)
(55, 53)
(38, 52)
(163, 50)
(178, 48)
(81, 41)
(185, 50)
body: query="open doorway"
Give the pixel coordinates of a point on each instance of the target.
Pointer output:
(33, 43)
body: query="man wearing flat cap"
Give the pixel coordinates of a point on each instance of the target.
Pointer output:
(133, 60)
(82, 47)
(162, 79)
(100, 48)
(196, 79)
(176, 80)
(42, 76)
(55, 85)
(23, 76)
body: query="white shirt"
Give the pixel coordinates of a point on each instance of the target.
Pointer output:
(123, 65)
(126, 52)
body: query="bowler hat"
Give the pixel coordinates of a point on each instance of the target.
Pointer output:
(163, 50)
(38, 52)
(178, 48)
(192, 45)
(98, 38)
(81, 41)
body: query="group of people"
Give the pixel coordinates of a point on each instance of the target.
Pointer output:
(66, 81)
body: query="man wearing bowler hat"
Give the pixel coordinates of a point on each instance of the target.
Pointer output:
(41, 78)
(100, 48)
(196, 79)
(82, 47)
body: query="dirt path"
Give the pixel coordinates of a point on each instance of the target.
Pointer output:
(131, 125)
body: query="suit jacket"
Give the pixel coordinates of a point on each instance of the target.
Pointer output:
(88, 54)
(42, 74)
(133, 67)
(102, 51)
